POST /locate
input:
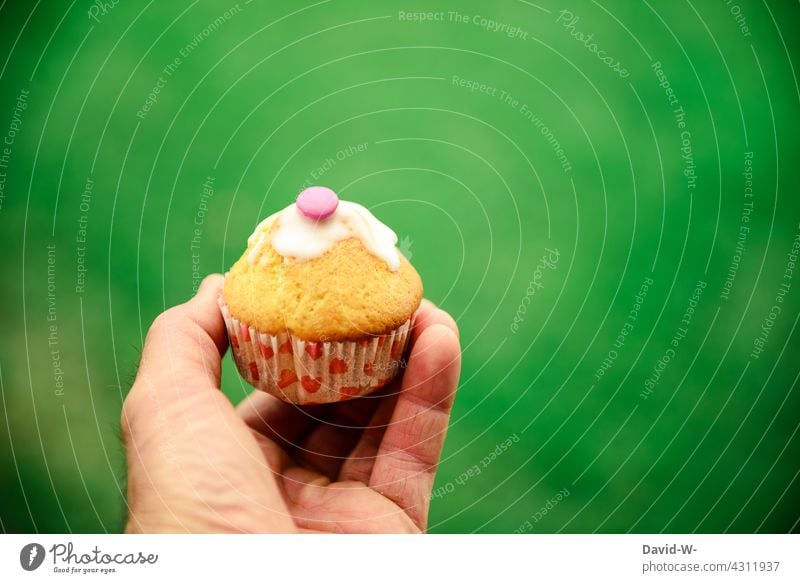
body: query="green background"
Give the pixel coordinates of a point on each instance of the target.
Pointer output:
(478, 192)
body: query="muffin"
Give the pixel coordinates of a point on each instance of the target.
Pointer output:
(319, 308)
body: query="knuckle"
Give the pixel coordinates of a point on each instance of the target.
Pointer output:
(165, 321)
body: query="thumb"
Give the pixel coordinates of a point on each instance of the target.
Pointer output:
(191, 460)
(186, 336)
(181, 359)
(183, 351)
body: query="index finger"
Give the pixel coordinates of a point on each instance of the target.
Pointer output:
(406, 462)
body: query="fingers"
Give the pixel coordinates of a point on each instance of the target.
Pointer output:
(406, 460)
(341, 425)
(358, 465)
(289, 425)
(322, 436)
(428, 314)
(326, 434)
(282, 422)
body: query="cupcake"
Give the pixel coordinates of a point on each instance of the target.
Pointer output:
(320, 306)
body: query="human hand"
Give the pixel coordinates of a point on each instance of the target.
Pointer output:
(197, 464)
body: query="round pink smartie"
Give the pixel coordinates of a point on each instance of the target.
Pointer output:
(317, 203)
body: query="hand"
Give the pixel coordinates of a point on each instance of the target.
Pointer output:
(197, 464)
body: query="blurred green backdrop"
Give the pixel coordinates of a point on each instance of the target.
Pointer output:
(604, 195)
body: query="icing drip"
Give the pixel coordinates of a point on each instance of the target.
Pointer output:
(297, 237)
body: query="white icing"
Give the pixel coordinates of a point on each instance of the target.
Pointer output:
(300, 238)
(259, 236)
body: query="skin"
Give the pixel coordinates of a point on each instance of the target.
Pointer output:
(196, 463)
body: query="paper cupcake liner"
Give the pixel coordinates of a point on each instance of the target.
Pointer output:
(310, 373)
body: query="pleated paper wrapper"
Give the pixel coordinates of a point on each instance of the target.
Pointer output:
(313, 373)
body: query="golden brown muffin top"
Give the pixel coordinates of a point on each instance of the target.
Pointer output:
(345, 294)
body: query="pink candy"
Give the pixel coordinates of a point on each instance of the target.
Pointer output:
(317, 203)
